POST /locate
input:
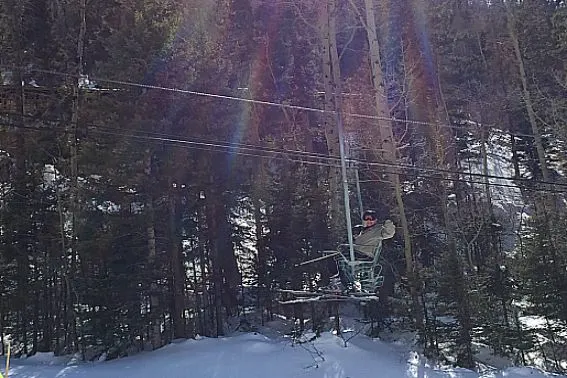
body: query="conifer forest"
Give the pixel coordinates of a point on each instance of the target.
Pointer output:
(167, 165)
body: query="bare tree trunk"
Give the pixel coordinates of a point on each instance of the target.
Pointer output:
(226, 276)
(66, 278)
(155, 333)
(47, 301)
(18, 235)
(484, 155)
(155, 322)
(526, 92)
(331, 134)
(177, 270)
(72, 320)
(464, 355)
(335, 82)
(260, 179)
(263, 286)
(1, 330)
(444, 156)
(22, 224)
(212, 225)
(546, 203)
(198, 321)
(36, 312)
(387, 145)
(206, 329)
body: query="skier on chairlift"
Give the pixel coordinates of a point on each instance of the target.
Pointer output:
(365, 244)
(367, 240)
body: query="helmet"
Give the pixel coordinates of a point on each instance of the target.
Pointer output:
(369, 213)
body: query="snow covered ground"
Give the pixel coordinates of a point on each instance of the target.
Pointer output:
(248, 355)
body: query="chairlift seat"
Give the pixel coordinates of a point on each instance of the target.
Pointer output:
(367, 272)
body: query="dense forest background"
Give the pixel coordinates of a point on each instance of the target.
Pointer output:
(165, 164)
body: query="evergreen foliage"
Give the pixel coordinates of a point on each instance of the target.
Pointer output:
(145, 197)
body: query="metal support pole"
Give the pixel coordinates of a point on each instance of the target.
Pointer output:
(345, 185)
(358, 192)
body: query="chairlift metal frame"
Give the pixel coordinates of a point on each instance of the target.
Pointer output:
(366, 275)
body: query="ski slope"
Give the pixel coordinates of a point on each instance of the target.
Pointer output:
(250, 355)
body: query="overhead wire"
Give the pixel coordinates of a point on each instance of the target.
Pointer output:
(252, 101)
(253, 147)
(209, 145)
(283, 156)
(196, 142)
(297, 156)
(296, 107)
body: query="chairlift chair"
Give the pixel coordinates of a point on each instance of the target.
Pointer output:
(365, 274)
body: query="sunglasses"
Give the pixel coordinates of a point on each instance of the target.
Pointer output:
(369, 219)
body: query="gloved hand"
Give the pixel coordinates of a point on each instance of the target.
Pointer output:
(388, 229)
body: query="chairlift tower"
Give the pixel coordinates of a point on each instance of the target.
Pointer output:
(344, 179)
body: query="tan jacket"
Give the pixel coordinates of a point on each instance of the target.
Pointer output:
(369, 238)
